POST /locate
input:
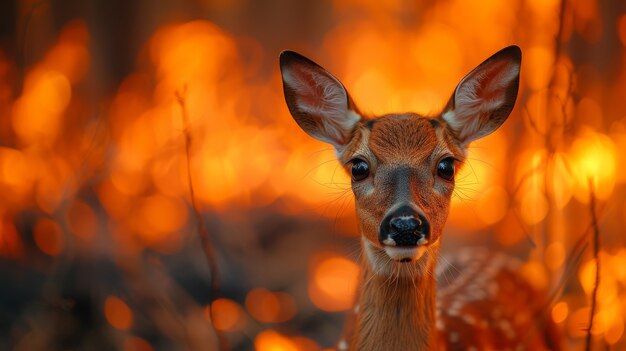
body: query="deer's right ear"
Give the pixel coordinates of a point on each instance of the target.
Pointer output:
(317, 101)
(485, 97)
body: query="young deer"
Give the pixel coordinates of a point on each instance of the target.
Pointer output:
(402, 167)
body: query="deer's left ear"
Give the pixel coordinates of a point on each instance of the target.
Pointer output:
(318, 101)
(485, 97)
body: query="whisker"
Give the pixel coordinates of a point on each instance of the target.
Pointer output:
(308, 173)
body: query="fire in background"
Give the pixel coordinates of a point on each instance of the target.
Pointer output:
(98, 241)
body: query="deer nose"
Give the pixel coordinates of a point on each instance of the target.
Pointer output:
(404, 227)
(405, 224)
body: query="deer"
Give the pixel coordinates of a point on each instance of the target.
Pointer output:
(402, 168)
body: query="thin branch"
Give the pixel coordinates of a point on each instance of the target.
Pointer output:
(23, 52)
(559, 38)
(203, 233)
(596, 251)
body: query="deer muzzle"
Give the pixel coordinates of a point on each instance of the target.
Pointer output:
(404, 227)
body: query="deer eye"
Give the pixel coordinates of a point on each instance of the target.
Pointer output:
(359, 169)
(445, 168)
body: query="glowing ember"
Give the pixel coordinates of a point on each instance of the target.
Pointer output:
(226, 315)
(560, 311)
(270, 307)
(91, 176)
(269, 340)
(49, 237)
(334, 282)
(117, 313)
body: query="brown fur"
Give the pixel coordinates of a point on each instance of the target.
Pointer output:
(399, 309)
(397, 299)
(395, 141)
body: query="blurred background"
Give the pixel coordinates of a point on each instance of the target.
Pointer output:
(103, 103)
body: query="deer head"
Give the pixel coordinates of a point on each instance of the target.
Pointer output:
(402, 165)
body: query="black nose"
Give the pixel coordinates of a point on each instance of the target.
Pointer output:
(405, 224)
(404, 227)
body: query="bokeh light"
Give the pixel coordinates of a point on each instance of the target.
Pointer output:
(117, 313)
(108, 124)
(333, 282)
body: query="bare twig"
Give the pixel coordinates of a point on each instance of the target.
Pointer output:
(596, 251)
(203, 233)
(559, 38)
(23, 52)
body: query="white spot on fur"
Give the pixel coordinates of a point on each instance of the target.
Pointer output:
(389, 241)
(440, 325)
(469, 319)
(457, 305)
(505, 326)
(342, 345)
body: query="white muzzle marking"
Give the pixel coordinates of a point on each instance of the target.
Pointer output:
(402, 253)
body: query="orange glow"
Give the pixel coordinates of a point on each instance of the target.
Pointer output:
(492, 205)
(533, 203)
(227, 315)
(71, 56)
(54, 185)
(305, 344)
(585, 19)
(555, 255)
(10, 242)
(609, 319)
(614, 332)
(594, 160)
(270, 307)
(619, 266)
(577, 322)
(49, 237)
(562, 182)
(117, 313)
(560, 312)
(588, 276)
(206, 311)
(269, 340)
(535, 274)
(509, 232)
(82, 220)
(621, 29)
(607, 291)
(476, 192)
(135, 343)
(116, 203)
(333, 282)
(539, 61)
(17, 174)
(159, 215)
(534, 206)
(37, 116)
(96, 170)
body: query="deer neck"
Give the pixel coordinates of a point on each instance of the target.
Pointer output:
(397, 306)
